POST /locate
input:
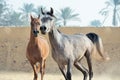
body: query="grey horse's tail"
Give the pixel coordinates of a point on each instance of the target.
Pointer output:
(97, 41)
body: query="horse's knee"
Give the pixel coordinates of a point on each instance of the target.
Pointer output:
(85, 74)
(42, 71)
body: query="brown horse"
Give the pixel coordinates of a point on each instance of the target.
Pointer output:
(37, 49)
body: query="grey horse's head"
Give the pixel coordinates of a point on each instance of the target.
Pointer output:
(47, 21)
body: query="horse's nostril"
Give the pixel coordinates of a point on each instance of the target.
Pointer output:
(37, 31)
(40, 28)
(34, 31)
(43, 28)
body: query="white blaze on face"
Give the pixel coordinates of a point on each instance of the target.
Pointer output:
(48, 26)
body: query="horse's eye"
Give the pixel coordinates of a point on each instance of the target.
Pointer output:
(51, 19)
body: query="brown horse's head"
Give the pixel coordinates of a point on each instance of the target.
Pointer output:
(35, 25)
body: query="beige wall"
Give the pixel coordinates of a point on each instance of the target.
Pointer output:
(13, 42)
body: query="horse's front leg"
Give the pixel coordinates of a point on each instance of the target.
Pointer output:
(63, 70)
(42, 68)
(69, 66)
(35, 71)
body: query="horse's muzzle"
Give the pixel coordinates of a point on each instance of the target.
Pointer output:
(35, 33)
(43, 29)
(42, 32)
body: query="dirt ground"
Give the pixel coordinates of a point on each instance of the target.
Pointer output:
(13, 63)
(29, 76)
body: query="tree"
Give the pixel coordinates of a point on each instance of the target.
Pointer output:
(114, 7)
(27, 9)
(15, 19)
(2, 6)
(3, 11)
(65, 15)
(96, 23)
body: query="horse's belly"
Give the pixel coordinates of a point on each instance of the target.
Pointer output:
(60, 58)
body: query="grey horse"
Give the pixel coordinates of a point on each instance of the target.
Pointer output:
(68, 50)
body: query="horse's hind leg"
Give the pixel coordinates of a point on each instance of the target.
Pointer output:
(88, 57)
(82, 69)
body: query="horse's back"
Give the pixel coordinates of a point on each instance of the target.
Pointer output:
(74, 47)
(83, 42)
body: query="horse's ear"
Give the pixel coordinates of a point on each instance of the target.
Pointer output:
(39, 16)
(42, 11)
(51, 10)
(31, 17)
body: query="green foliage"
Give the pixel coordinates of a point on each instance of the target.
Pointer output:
(38, 10)
(9, 17)
(3, 11)
(66, 14)
(114, 7)
(96, 23)
(26, 10)
(15, 19)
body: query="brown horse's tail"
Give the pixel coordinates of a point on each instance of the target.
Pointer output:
(97, 41)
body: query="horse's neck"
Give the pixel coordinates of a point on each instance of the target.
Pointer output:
(55, 37)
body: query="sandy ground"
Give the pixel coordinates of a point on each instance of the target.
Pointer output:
(29, 76)
(15, 66)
